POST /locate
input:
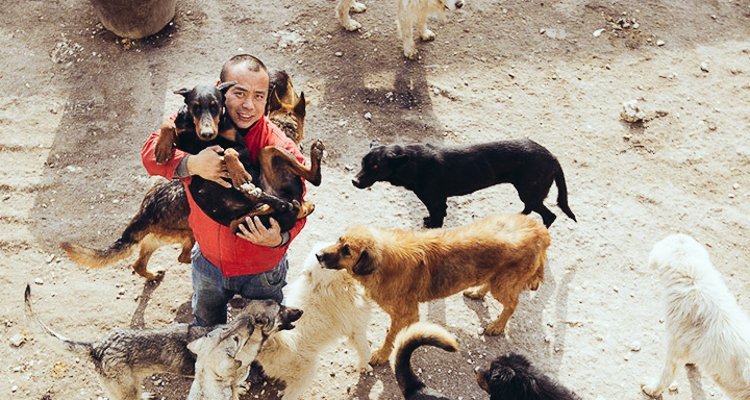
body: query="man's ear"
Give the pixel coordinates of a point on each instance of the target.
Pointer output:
(224, 86)
(365, 264)
(299, 108)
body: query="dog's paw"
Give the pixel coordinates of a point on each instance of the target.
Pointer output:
(380, 357)
(427, 35)
(351, 25)
(494, 329)
(650, 390)
(410, 52)
(316, 149)
(358, 7)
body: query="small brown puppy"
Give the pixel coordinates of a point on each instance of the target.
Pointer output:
(503, 254)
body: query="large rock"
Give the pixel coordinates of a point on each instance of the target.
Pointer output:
(134, 19)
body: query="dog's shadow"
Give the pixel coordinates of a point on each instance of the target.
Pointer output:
(137, 321)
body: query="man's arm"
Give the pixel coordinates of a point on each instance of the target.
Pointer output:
(148, 157)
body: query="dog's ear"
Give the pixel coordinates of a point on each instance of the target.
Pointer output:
(299, 108)
(274, 103)
(183, 92)
(365, 264)
(502, 374)
(287, 315)
(374, 143)
(196, 345)
(224, 86)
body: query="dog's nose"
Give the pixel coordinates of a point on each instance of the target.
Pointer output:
(319, 257)
(459, 4)
(355, 182)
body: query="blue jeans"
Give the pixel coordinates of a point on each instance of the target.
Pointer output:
(212, 291)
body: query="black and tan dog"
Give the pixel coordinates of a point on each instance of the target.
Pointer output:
(435, 173)
(513, 377)
(126, 356)
(162, 217)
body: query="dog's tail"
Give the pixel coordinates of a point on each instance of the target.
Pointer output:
(416, 335)
(134, 233)
(562, 193)
(59, 341)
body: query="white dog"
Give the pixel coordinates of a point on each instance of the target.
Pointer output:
(335, 307)
(705, 326)
(410, 13)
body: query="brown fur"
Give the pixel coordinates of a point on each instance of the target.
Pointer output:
(285, 109)
(502, 254)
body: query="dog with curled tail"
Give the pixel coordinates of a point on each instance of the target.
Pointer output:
(705, 326)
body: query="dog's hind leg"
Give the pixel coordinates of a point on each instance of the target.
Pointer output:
(424, 33)
(656, 388)
(272, 158)
(187, 246)
(342, 12)
(149, 244)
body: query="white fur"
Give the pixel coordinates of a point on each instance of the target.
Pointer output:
(411, 14)
(705, 326)
(335, 307)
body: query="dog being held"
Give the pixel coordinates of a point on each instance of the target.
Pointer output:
(705, 326)
(162, 218)
(127, 356)
(335, 307)
(502, 254)
(411, 14)
(223, 361)
(513, 377)
(410, 339)
(435, 173)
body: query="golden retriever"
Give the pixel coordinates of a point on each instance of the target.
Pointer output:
(502, 254)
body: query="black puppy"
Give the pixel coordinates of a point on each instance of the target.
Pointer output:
(201, 123)
(513, 377)
(435, 173)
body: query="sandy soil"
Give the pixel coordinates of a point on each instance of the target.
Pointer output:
(76, 106)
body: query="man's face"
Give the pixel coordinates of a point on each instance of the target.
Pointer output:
(246, 101)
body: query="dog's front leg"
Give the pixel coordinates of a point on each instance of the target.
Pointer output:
(437, 206)
(358, 340)
(405, 24)
(237, 172)
(400, 319)
(655, 389)
(165, 143)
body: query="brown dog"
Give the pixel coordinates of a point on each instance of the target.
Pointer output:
(502, 254)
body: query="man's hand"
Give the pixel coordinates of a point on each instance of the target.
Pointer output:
(209, 165)
(256, 232)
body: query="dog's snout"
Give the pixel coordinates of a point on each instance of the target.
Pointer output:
(459, 4)
(355, 182)
(320, 257)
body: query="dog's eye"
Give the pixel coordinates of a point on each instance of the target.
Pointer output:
(345, 251)
(375, 167)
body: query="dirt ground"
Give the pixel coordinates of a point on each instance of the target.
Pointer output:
(76, 105)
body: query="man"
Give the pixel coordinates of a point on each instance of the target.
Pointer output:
(252, 263)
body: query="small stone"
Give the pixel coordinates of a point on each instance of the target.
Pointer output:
(342, 122)
(635, 346)
(660, 43)
(704, 66)
(14, 388)
(50, 258)
(736, 186)
(598, 32)
(338, 54)
(631, 112)
(17, 340)
(39, 281)
(674, 388)
(368, 116)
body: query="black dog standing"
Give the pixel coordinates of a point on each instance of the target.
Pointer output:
(435, 173)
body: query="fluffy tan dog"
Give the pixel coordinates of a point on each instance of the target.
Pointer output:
(411, 14)
(503, 254)
(335, 308)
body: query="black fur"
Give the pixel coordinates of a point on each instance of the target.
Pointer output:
(222, 204)
(435, 173)
(513, 377)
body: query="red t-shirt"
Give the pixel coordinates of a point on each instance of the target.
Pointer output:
(233, 255)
